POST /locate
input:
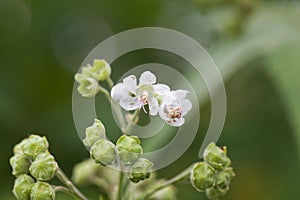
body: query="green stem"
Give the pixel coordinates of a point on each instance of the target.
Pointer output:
(120, 189)
(185, 174)
(72, 188)
(61, 189)
(132, 121)
(110, 83)
(114, 106)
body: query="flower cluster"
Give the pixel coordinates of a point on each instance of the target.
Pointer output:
(90, 76)
(214, 175)
(127, 151)
(32, 164)
(171, 106)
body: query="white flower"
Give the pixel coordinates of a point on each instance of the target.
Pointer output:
(174, 107)
(132, 96)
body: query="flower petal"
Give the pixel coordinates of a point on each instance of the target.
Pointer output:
(181, 94)
(153, 106)
(119, 92)
(161, 89)
(186, 106)
(130, 103)
(176, 122)
(130, 83)
(147, 78)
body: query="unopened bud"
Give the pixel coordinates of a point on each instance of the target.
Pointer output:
(42, 191)
(101, 70)
(20, 164)
(22, 187)
(103, 152)
(18, 147)
(129, 148)
(224, 178)
(216, 156)
(94, 133)
(88, 87)
(202, 176)
(140, 170)
(35, 145)
(44, 167)
(214, 193)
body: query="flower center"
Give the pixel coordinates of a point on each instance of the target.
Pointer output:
(175, 112)
(144, 99)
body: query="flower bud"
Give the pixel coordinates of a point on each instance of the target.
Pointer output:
(101, 70)
(214, 193)
(88, 87)
(42, 191)
(94, 133)
(140, 170)
(84, 172)
(216, 156)
(18, 147)
(22, 187)
(103, 152)
(129, 148)
(202, 176)
(44, 167)
(20, 164)
(35, 145)
(224, 178)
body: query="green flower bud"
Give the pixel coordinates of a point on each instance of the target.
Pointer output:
(214, 193)
(88, 87)
(22, 187)
(35, 145)
(101, 70)
(44, 167)
(129, 148)
(216, 156)
(42, 191)
(140, 170)
(202, 176)
(84, 172)
(94, 133)
(20, 164)
(103, 152)
(18, 147)
(224, 178)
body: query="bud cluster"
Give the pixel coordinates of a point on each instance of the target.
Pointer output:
(127, 151)
(90, 76)
(31, 165)
(214, 175)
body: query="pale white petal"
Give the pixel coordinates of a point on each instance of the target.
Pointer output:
(181, 94)
(176, 122)
(119, 92)
(147, 78)
(161, 112)
(161, 89)
(130, 103)
(186, 106)
(169, 98)
(153, 106)
(130, 83)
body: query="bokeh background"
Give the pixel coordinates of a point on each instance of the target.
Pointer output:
(256, 45)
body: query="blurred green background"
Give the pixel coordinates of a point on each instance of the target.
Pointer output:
(256, 45)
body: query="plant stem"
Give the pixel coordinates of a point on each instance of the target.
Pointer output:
(114, 106)
(110, 83)
(178, 178)
(132, 121)
(120, 190)
(72, 188)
